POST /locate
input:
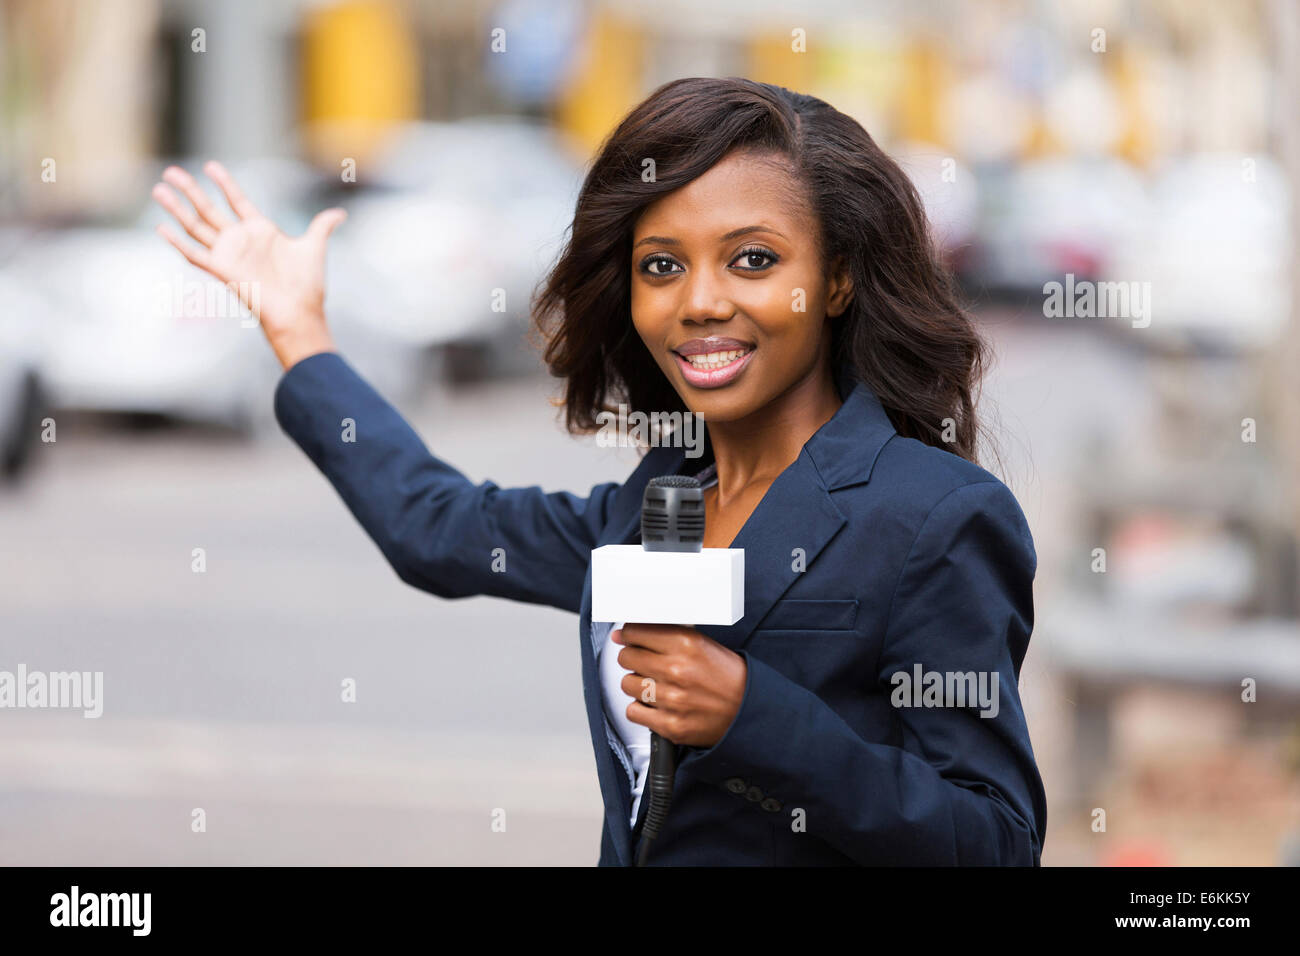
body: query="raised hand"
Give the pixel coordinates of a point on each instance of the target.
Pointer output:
(279, 278)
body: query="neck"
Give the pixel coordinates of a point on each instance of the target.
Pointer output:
(757, 448)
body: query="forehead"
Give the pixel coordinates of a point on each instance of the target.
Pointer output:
(740, 190)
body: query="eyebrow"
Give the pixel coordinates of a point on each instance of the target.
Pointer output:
(734, 234)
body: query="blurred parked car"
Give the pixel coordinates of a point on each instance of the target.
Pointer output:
(445, 241)
(451, 214)
(1043, 220)
(1216, 250)
(950, 193)
(23, 317)
(136, 328)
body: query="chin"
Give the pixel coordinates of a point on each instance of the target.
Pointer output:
(718, 407)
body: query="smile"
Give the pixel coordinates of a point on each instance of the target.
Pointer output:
(712, 369)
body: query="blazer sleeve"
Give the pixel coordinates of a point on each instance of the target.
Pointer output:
(961, 789)
(439, 531)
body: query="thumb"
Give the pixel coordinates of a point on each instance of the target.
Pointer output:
(325, 222)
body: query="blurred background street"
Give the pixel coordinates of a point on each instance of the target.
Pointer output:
(1156, 455)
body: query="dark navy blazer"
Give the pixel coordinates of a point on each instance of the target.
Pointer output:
(871, 554)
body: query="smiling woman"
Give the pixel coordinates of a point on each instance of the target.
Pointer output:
(770, 223)
(771, 258)
(775, 276)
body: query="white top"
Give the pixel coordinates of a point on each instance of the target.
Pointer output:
(634, 737)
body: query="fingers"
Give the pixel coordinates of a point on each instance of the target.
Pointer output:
(655, 637)
(641, 661)
(326, 222)
(234, 195)
(198, 257)
(642, 688)
(185, 215)
(665, 725)
(183, 181)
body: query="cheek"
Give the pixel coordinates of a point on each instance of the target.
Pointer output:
(790, 316)
(641, 324)
(647, 312)
(785, 306)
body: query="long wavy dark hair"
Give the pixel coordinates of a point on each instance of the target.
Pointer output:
(904, 333)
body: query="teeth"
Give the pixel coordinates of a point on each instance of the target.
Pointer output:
(713, 360)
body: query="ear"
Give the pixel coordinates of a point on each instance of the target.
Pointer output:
(839, 291)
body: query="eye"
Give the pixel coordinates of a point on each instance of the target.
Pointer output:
(753, 251)
(645, 265)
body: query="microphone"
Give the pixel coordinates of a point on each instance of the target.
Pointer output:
(672, 520)
(670, 578)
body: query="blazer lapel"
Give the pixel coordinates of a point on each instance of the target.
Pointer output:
(608, 774)
(783, 536)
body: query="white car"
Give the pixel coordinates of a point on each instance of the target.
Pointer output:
(1051, 217)
(460, 221)
(1216, 251)
(23, 318)
(137, 328)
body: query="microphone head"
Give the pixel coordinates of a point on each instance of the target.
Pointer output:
(674, 481)
(672, 514)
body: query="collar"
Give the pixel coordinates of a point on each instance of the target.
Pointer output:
(845, 449)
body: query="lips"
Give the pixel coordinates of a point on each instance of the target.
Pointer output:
(714, 343)
(714, 361)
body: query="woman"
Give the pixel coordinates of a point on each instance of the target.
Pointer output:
(750, 255)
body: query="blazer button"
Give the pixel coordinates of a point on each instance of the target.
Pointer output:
(736, 785)
(753, 794)
(771, 805)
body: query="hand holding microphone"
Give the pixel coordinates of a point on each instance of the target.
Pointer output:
(686, 687)
(696, 683)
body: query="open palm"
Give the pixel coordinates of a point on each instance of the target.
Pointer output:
(280, 279)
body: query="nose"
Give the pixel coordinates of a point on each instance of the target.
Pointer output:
(706, 298)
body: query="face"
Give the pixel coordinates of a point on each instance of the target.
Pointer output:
(729, 294)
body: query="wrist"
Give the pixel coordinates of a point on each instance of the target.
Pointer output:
(292, 349)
